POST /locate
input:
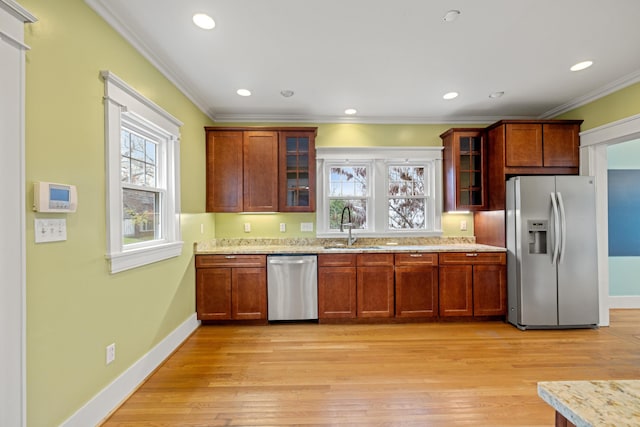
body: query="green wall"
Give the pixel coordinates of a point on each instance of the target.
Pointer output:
(75, 308)
(342, 135)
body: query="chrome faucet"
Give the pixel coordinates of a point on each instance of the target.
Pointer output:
(348, 225)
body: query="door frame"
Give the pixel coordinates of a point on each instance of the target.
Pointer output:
(593, 161)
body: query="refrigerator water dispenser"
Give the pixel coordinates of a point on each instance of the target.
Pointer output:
(537, 236)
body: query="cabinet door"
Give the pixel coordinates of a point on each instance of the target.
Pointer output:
(561, 145)
(213, 293)
(456, 290)
(375, 291)
(249, 293)
(336, 292)
(523, 145)
(224, 171)
(416, 291)
(489, 290)
(297, 171)
(465, 174)
(260, 161)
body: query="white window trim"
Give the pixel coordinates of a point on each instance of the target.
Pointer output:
(121, 99)
(379, 157)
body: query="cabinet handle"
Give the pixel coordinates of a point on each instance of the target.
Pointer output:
(230, 257)
(416, 255)
(472, 254)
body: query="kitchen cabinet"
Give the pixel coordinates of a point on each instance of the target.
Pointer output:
(264, 169)
(336, 286)
(465, 175)
(416, 276)
(231, 287)
(297, 171)
(472, 284)
(375, 285)
(530, 147)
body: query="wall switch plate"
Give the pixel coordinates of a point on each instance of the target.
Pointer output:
(306, 226)
(283, 227)
(111, 353)
(247, 227)
(50, 230)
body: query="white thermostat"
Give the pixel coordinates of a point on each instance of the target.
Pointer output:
(52, 197)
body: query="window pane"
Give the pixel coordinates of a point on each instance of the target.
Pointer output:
(406, 181)
(137, 147)
(358, 208)
(150, 152)
(125, 147)
(407, 214)
(137, 172)
(141, 216)
(348, 181)
(138, 160)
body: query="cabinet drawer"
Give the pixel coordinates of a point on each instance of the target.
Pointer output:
(449, 258)
(374, 259)
(337, 260)
(416, 259)
(230, 260)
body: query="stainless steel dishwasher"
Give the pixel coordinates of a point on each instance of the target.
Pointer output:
(292, 287)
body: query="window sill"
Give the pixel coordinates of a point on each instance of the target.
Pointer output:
(127, 260)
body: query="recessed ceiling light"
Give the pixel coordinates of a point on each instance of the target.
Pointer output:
(204, 21)
(496, 94)
(243, 92)
(451, 15)
(350, 111)
(450, 95)
(581, 65)
(287, 93)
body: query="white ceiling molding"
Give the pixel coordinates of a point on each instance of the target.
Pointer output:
(605, 90)
(17, 11)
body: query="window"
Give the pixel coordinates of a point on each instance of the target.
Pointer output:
(389, 191)
(143, 200)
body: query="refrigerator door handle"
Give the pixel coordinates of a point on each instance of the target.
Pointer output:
(556, 229)
(563, 227)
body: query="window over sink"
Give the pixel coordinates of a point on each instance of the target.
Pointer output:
(381, 192)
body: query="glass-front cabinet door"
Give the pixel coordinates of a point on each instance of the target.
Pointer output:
(297, 175)
(465, 174)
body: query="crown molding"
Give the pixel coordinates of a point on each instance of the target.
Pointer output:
(18, 11)
(603, 91)
(103, 10)
(395, 120)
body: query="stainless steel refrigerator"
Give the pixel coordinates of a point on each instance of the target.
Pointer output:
(552, 271)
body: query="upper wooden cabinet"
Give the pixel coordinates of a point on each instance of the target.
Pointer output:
(260, 169)
(530, 147)
(465, 181)
(297, 171)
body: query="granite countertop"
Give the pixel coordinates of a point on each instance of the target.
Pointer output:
(364, 245)
(594, 403)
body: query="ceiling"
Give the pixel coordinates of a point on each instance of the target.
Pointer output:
(391, 60)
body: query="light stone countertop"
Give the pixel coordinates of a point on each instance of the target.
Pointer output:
(364, 245)
(594, 403)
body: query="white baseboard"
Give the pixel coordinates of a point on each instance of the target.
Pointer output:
(101, 405)
(626, 301)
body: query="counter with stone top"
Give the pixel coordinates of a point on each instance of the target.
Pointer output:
(593, 403)
(362, 245)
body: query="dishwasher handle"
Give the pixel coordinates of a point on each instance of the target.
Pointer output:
(291, 262)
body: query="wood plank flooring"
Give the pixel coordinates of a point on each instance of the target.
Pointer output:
(421, 374)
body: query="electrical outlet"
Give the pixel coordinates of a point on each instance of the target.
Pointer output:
(111, 353)
(463, 225)
(201, 228)
(247, 227)
(283, 227)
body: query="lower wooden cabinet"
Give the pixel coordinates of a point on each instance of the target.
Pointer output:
(231, 287)
(375, 285)
(416, 277)
(473, 284)
(336, 286)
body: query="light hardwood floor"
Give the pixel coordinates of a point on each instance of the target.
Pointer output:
(423, 374)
